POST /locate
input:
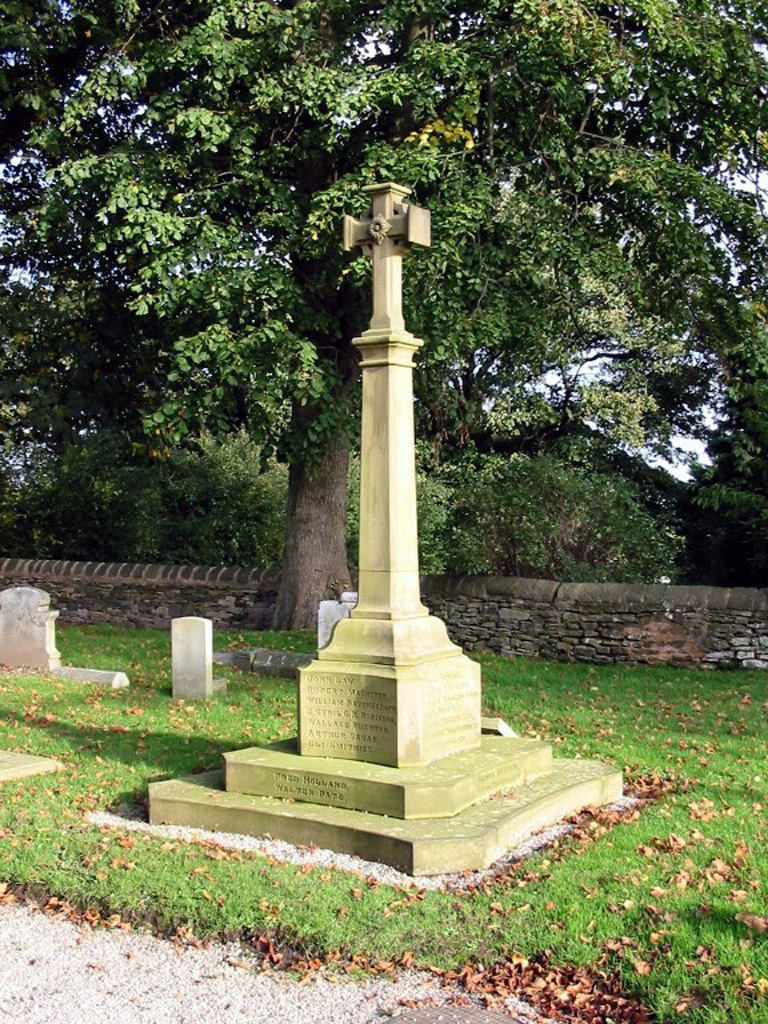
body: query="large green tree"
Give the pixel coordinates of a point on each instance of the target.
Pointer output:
(173, 182)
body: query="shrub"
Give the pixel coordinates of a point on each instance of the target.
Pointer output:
(540, 517)
(212, 502)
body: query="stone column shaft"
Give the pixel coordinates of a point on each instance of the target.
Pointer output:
(389, 554)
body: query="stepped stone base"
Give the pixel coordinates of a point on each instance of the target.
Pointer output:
(440, 789)
(470, 839)
(21, 766)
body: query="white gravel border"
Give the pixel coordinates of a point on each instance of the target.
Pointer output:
(131, 818)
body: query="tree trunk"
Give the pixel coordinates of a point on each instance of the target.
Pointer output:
(315, 561)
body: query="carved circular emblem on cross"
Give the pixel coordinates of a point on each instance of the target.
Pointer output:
(379, 228)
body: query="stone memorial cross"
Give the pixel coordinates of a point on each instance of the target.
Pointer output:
(388, 530)
(389, 569)
(391, 764)
(390, 687)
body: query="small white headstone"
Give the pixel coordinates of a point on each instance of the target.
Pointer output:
(331, 612)
(28, 629)
(192, 658)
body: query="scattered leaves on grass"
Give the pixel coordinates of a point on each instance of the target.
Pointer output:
(571, 993)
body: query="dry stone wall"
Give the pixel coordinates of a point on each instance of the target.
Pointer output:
(591, 622)
(604, 622)
(149, 595)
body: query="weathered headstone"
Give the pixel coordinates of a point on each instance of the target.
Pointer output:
(28, 629)
(331, 612)
(192, 659)
(391, 762)
(20, 766)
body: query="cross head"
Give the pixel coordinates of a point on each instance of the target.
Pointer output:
(385, 233)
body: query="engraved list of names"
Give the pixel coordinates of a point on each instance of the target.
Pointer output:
(342, 718)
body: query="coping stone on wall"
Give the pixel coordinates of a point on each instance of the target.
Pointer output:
(143, 572)
(623, 596)
(541, 591)
(695, 597)
(745, 599)
(455, 586)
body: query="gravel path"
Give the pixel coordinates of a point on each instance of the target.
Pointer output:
(56, 972)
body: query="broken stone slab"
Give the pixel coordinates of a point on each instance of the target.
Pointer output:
(28, 629)
(280, 664)
(497, 727)
(263, 662)
(97, 676)
(240, 660)
(21, 766)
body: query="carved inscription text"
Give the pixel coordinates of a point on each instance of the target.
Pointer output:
(339, 715)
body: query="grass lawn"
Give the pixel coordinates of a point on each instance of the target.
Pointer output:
(673, 903)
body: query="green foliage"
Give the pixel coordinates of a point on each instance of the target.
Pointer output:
(173, 179)
(542, 518)
(90, 502)
(222, 506)
(536, 516)
(213, 502)
(172, 254)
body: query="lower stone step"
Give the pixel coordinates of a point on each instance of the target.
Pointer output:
(437, 790)
(471, 840)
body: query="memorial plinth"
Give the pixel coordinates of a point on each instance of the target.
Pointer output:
(390, 762)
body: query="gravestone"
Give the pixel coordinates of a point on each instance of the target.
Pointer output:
(331, 612)
(192, 659)
(391, 762)
(28, 639)
(28, 629)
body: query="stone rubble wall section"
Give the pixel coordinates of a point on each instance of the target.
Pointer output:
(604, 623)
(601, 623)
(149, 596)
